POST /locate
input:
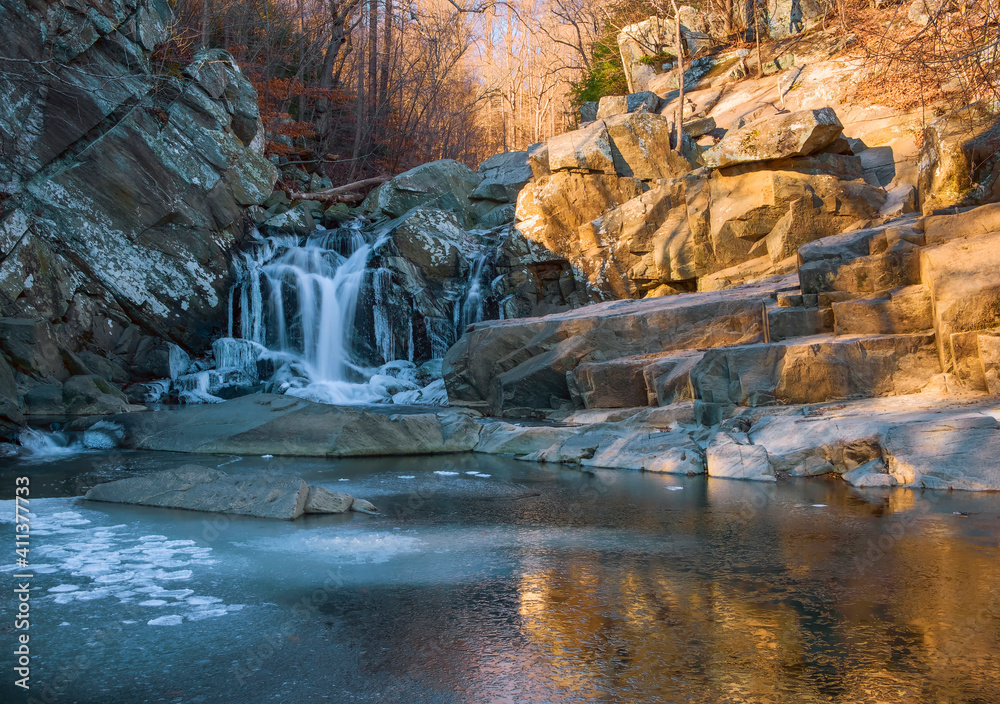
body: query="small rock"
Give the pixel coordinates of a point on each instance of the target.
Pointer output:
(362, 506)
(325, 501)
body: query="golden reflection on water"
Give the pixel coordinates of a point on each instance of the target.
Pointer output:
(904, 611)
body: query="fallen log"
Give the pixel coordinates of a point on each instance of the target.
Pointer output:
(334, 194)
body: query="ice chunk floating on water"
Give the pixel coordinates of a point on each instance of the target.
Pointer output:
(101, 563)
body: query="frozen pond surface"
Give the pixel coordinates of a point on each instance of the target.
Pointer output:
(491, 580)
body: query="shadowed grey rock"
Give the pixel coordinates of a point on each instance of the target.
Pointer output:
(282, 425)
(322, 500)
(957, 453)
(197, 488)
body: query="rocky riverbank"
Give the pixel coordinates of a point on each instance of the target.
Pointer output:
(725, 295)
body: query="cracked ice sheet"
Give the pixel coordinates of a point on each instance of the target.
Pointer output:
(84, 561)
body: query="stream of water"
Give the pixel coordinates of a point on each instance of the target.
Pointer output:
(491, 580)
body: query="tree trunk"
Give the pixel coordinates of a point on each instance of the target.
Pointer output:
(373, 63)
(383, 84)
(680, 78)
(206, 12)
(359, 117)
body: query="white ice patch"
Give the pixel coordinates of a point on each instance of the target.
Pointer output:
(407, 476)
(445, 473)
(173, 620)
(673, 488)
(369, 548)
(110, 563)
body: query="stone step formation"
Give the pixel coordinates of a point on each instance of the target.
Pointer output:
(907, 309)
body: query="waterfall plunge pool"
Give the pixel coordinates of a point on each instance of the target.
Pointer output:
(492, 580)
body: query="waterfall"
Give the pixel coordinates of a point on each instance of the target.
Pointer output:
(298, 297)
(472, 305)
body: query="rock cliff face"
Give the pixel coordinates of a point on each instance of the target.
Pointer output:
(123, 183)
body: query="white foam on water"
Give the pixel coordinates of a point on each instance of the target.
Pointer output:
(673, 488)
(40, 446)
(343, 480)
(445, 473)
(473, 472)
(406, 476)
(483, 476)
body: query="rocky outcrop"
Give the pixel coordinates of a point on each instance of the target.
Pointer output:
(519, 367)
(125, 180)
(194, 488)
(780, 379)
(635, 218)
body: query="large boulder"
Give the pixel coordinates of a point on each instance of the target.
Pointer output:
(90, 395)
(785, 135)
(504, 175)
(640, 147)
(421, 267)
(963, 276)
(815, 370)
(773, 212)
(959, 160)
(952, 454)
(587, 149)
(11, 408)
(444, 185)
(732, 456)
(551, 209)
(646, 46)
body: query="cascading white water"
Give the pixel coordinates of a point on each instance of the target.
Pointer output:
(40, 445)
(321, 278)
(472, 307)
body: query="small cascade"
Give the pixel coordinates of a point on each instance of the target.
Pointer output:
(43, 446)
(473, 304)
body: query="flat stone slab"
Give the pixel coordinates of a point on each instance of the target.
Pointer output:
(958, 453)
(202, 489)
(195, 488)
